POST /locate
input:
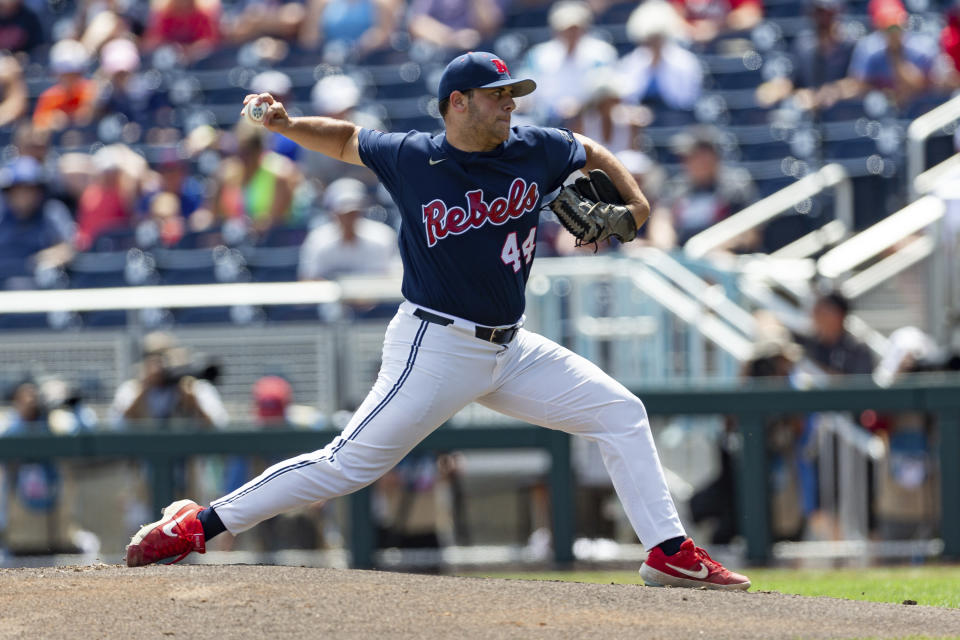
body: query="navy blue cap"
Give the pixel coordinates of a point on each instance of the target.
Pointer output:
(22, 170)
(480, 70)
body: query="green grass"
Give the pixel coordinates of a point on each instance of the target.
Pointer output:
(935, 586)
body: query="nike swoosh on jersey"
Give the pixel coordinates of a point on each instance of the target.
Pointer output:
(433, 162)
(699, 575)
(168, 528)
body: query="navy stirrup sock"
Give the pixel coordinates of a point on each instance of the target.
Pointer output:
(669, 547)
(212, 525)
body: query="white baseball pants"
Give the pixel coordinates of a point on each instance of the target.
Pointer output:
(429, 373)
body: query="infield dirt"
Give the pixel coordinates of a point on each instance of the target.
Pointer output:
(238, 601)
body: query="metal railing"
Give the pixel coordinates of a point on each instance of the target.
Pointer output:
(880, 237)
(917, 134)
(831, 176)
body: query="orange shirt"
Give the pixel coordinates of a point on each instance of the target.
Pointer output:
(68, 100)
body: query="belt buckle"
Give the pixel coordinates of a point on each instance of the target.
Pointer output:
(501, 332)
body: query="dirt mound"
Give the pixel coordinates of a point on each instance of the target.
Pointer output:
(193, 601)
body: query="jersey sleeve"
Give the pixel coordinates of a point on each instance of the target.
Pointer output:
(380, 152)
(564, 155)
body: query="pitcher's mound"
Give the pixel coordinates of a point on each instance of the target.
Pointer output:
(204, 601)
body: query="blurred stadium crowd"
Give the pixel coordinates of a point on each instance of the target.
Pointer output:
(124, 161)
(119, 119)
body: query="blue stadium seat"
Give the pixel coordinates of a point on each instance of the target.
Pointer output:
(185, 266)
(783, 9)
(666, 117)
(203, 315)
(115, 240)
(23, 321)
(843, 110)
(273, 264)
(223, 57)
(854, 147)
(286, 236)
(90, 270)
(200, 239)
(104, 318)
(292, 313)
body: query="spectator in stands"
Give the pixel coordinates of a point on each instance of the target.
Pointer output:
(571, 53)
(122, 91)
(338, 96)
(454, 25)
(891, 59)
(109, 201)
(707, 19)
(831, 346)
(255, 185)
(190, 25)
(31, 141)
(97, 22)
(20, 29)
(705, 193)
(300, 529)
(350, 244)
(352, 28)
(169, 390)
(659, 72)
(39, 518)
(71, 101)
(607, 119)
(774, 358)
(13, 91)
(36, 231)
(950, 44)
(649, 175)
(173, 178)
(256, 18)
(165, 219)
(821, 58)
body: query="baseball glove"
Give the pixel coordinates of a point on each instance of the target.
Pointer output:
(593, 210)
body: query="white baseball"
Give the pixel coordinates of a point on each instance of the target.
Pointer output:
(255, 110)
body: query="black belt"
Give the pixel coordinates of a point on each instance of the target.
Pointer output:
(496, 335)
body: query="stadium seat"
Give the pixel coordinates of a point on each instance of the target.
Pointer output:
(203, 315)
(90, 270)
(114, 240)
(292, 313)
(23, 321)
(286, 236)
(200, 239)
(185, 266)
(273, 264)
(117, 318)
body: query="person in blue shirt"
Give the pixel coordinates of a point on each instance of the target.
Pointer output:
(36, 230)
(469, 201)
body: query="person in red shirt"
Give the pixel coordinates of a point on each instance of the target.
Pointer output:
(950, 44)
(72, 99)
(707, 19)
(107, 203)
(191, 25)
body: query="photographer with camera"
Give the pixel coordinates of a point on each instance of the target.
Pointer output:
(172, 390)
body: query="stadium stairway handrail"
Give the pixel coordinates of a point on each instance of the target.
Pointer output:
(880, 237)
(830, 176)
(917, 134)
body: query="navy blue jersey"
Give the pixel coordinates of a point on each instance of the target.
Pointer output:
(469, 219)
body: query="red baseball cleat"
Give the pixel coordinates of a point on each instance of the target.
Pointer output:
(690, 567)
(169, 539)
